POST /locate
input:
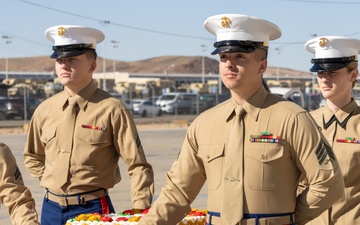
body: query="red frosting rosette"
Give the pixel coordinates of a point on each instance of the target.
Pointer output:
(121, 219)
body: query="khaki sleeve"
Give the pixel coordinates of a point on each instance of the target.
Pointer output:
(34, 150)
(319, 167)
(132, 152)
(183, 183)
(13, 193)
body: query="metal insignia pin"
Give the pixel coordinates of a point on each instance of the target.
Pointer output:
(61, 31)
(323, 42)
(225, 22)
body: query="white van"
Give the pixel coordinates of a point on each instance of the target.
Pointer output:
(293, 94)
(176, 102)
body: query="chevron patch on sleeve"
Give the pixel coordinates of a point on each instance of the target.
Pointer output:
(17, 174)
(324, 153)
(138, 142)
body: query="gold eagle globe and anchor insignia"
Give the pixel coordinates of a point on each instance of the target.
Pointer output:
(225, 22)
(61, 31)
(323, 42)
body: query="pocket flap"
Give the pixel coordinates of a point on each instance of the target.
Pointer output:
(266, 152)
(211, 152)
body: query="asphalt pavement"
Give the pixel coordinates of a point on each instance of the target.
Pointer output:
(161, 148)
(165, 118)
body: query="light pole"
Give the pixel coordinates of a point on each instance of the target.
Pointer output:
(104, 23)
(167, 70)
(7, 42)
(114, 46)
(278, 50)
(203, 64)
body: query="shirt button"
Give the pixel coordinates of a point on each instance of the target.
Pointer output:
(207, 156)
(90, 139)
(263, 157)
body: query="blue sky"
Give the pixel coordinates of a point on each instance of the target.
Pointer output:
(146, 29)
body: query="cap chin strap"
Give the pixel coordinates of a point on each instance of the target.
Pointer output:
(237, 46)
(72, 47)
(334, 60)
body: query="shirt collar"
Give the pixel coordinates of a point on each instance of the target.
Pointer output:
(83, 96)
(252, 106)
(342, 114)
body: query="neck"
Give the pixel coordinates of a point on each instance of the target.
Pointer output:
(74, 90)
(241, 96)
(336, 105)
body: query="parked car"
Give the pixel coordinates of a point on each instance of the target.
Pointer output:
(145, 107)
(176, 102)
(3, 109)
(124, 100)
(14, 107)
(322, 103)
(293, 94)
(206, 101)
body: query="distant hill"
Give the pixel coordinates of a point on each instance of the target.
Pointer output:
(174, 64)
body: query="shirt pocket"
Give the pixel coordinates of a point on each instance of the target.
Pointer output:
(48, 135)
(262, 165)
(213, 157)
(95, 139)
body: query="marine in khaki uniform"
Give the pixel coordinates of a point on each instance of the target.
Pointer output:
(76, 137)
(336, 65)
(13, 193)
(252, 177)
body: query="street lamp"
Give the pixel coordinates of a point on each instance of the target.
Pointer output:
(167, 70)
(8, 41)
(114, 46)
(203, 64)
(104, 23)
(277, 68)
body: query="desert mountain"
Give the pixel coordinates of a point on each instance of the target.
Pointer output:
(171, 64)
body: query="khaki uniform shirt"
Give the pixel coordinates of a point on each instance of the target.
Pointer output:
(271, 170)
(346, 211)
(13, 193)
(96, 152)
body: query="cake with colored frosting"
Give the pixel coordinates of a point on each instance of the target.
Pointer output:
(128, 217)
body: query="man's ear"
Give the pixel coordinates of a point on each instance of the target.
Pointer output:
(92, 66)
(354, 74)
(263, 66)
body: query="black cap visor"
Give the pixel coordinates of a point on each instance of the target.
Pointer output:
(328, 67)
(237, 46)
(65, 51)
(331, 64)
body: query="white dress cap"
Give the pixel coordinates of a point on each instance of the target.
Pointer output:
(241, 27)
(238, 27)
(332, 52)
(72, 40)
